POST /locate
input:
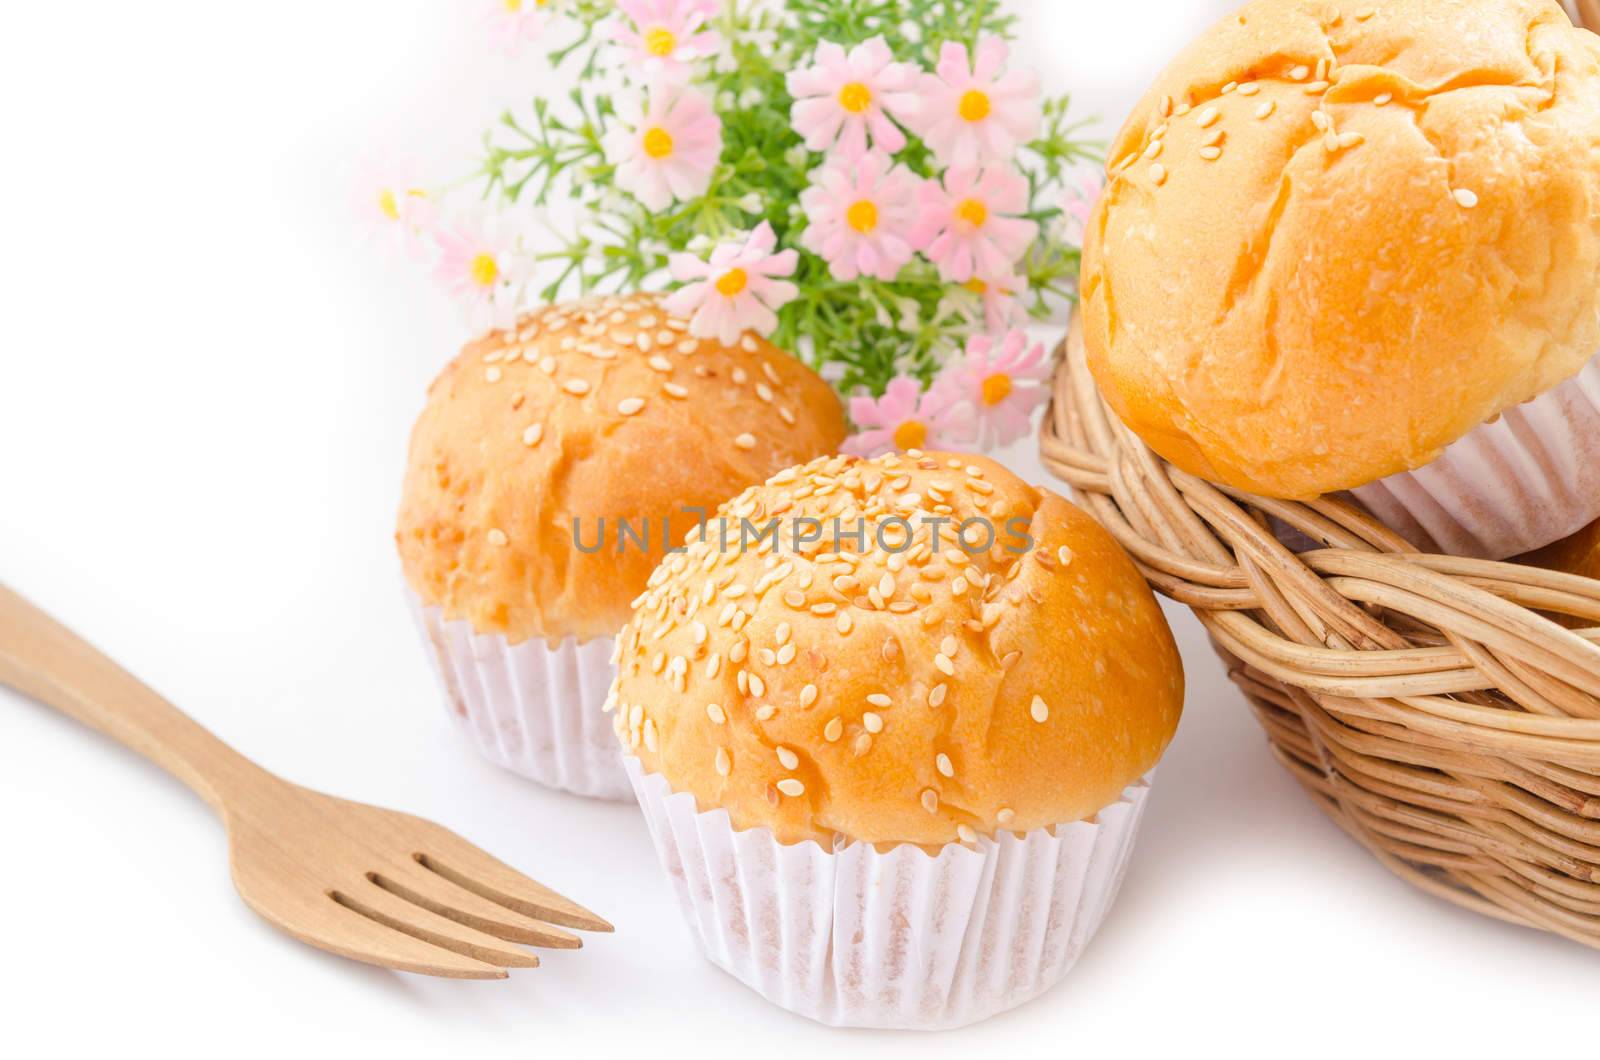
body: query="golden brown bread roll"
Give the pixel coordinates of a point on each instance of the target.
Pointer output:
(604, 409)
(889, 691)
(1340, 235)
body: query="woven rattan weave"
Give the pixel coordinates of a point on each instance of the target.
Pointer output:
(1424, 702)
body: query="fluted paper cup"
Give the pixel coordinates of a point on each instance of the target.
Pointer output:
(856, 937)
(533, 708)
(1529, 478)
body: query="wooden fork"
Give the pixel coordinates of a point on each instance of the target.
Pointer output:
(370, 884)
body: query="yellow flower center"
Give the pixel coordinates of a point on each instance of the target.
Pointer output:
(660, 41)
(863, 216)
(657, 142)
(855, 97)
(484, 269)
(389, 201)
(973, 212)
(975, 105)
(732, 282)
(513, 6)
(911, 435)
(977, 286)
(996, 388)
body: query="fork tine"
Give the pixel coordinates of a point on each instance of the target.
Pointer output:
(439, 895)
(362, 939)
(392, 911)
(466, 866)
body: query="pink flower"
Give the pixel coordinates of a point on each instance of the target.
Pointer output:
(973, 114)
(394, 204)
(859, 213)
(667, 145)
(1003, 383)
(664, 34)
(907, 418)
(1002, 306)
(514, 23)
(481, 264)
(1077, 204)
(738, 290)
(844, 97)
(964, 225)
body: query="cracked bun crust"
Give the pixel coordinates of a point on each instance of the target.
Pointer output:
(604, 409)
(889, 692)
(1338, 235)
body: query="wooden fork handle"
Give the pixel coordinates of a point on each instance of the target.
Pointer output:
(44, 660)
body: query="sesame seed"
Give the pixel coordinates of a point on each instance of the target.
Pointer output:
(878, 699)
(1214, 137)
(493, 373)
(1320, 119)
(724, 762)
(716, 714)
(698, 632)
(1064, 554)
(748, 344)
(872, 722)
(498, 538)
(1040, 710)
(949, 646)
(1266, 109)
(1158, 174)
(1182, 109)
(786, 655)
(1383, 99)
(576, 387)
(675, 390)
(791, 787)
(1211, 154)
(930, 800)
(833, 730)
(547, 365)
(660, 363)
(531, 435)
(745, 441)
(1300, 73)
(758, 687)
(944, 665)
(1249, 88)
(1209, 117)
(966, 834)
(650, 735)
(630, 406)
(787, 758)
(937, 693)
(1006, 816)
(1154, 150)
(1315, 87)
(808, 695)
(1351, 139)
(1229, 87)
(765, 712)
(1466, 197)
(944, 765)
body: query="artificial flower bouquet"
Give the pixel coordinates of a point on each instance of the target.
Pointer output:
(872, 184)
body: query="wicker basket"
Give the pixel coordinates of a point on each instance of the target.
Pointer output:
(1420, 700)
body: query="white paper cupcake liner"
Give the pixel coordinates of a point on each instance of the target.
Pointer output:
(1529, 478)
(532, 708)
(900, 939)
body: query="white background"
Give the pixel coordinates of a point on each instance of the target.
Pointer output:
(206, 392)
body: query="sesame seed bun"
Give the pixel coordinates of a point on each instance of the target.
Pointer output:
(889, 692)
(604, 409)
(1338, 236)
